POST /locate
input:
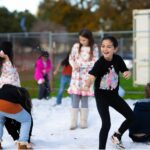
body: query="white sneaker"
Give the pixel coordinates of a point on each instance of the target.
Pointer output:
(116, 138)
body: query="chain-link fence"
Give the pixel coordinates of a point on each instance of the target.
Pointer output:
(27, 46)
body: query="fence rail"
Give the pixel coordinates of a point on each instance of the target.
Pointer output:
(26, 49)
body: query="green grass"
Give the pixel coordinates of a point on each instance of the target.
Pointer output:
(29, 83)
(132, 92)
(27, 80)
(32, 86)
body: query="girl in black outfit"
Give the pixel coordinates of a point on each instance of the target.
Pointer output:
(106, 75)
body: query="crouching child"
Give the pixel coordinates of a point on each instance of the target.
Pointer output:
(11, 101)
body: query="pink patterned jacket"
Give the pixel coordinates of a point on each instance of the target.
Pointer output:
(80, 77)
(9, 74)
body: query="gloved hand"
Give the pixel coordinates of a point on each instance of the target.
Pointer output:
(40, 81)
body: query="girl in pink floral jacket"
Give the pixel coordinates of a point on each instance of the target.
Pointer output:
(9, 73)
(82, 58)
(42, 74)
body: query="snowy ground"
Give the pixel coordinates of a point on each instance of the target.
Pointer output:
(51, 128)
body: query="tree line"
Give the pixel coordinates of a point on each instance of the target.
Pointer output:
(63, 16)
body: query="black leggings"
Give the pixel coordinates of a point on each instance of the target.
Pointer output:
(103, 101)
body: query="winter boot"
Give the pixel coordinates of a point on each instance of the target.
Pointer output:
(74, 118)
(23, 146)
(83, 117)
(0, 146)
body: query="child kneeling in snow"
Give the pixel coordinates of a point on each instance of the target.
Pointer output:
(140, 129)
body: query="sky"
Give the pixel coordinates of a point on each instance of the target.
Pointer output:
(21, 5)
(51, 128)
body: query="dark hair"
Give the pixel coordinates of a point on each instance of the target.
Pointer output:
(87, 34)
(112, 39)
(65, 61)
(6, 47)
(44, 54)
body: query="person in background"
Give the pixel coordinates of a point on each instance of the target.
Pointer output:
(65, 77)
(106, 75)
(82, 58)
(147, 91)
(43, 69)
(140, 129)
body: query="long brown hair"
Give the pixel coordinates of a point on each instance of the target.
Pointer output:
(87, 34)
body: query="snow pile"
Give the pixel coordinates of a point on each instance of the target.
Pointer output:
(51, 128)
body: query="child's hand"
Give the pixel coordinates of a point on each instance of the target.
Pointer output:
(85, 88)
(41, 81)
(127, 74)
(87, 84)
(3, 55)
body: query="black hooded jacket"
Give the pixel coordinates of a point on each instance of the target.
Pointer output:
(20, 96)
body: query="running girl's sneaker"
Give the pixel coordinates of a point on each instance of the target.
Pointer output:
(116, 139)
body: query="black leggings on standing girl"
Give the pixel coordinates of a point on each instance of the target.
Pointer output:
(103, 101)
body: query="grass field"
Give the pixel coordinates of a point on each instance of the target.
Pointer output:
(131, 91)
